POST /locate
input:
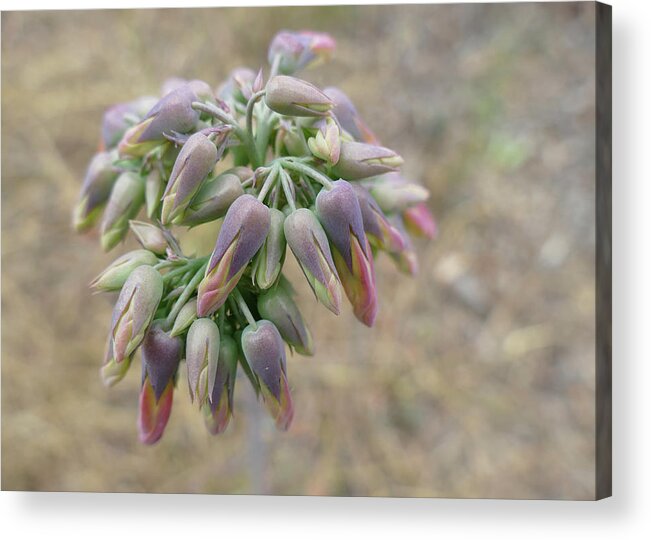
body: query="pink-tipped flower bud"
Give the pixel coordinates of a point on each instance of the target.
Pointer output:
(379, 230)
(307, 240)
(360, 160)
(242, 234)
(201, 355)
(419, 221)
(118, 118)
(264, 351)
(126, 198)
(195, 161)
(134, 310)
(218, 408)
(394, 194)
(269, 261)
(115, 275)
(348, 117)
(98, 182)
(339, 211)
(213, 199)
(161, 355)
(278, 306)
(298, 50)
(295, 97)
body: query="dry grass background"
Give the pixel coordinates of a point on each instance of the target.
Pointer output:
(478, 380)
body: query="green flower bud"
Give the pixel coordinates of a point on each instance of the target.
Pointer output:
(269, 261)
(115, 275)
(185, 318)
(149, 236)
(124, 203)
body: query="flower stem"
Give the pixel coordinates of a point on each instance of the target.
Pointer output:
(185, 295)
(307, 170)
(268, 183)
(241, 303)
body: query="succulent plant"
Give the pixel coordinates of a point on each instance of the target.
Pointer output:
(285, 166)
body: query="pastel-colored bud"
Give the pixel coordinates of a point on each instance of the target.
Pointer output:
(307, 240)
(326, 144)
(149, 236)
(269, 261)
(126, 198)
(379, 230)
(95, 191)
(114, 276)
(394, 194)
(161, 355)
(348, 117)
(298, 50)
(213, 199)
(113, 372)
(278, 306)
(202, 90)
(339, 211)
(173, 113)
(134, 310)
(406, 260)
(154, 189)
(185, 318)
(195, 161)
(242, 234)
(295, 97)
(242, 172)
(118, 118)
(218, 409)
(264, 351)
(291, 137)
(238, 86)
(202, 353)
(419, 221)
(359, 160)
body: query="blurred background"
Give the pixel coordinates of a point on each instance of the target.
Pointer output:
(478, 379)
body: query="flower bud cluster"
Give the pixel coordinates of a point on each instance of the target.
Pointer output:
(283, 166)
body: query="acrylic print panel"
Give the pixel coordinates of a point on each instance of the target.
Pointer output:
(452, 217)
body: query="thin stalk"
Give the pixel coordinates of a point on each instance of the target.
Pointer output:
(308, 171)
(185, 295)
(249, 111)
(241, 303)
(284, 179)
(268, 183)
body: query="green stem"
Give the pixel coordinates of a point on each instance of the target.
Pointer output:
(185, 295)
(237, 295)
(308, 171)
(249, 111)
(284, 181)
(268, 183)
(275, 64)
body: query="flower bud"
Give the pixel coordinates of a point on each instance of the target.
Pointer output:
(203, 91)
(213, 199)
(295, 97)
(161, 355)
(298, 50)
(348, 118)
(339, 212)
(326, 144)
(195, 161)
(125, 201)
(149, 236)
(360, 160)
(419, 221)
(154, 188)
(380, 232)
(278, 306)
(394, 194)
(218, 409)
(173, 112)
(95, 190)
(114, 276)
(185, 318)
(238, 86)
(202, 353)
(292, 138)
(134, 310)
(406, 259)
(264, 350)
(242, 234)
(113, 372)
(307, 240)
(118, 118)
(269, 261)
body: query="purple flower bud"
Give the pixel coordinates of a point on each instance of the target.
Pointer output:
(134, 310)
(379, 230)
(295, 97)
(114, 276)
(173, 112)
(326, 144)
(203, 91)
(269, 261)
(238, 86)
(419, 221)
(118, 118)
(348, 118)
(219, 407)
(98, 182)
(298, 50)
(161, 355)
(278, 306)
(213, 199)
(149, 236)
(339, 211)
(125, 201)
(185, 318)
(202, 353)
(394, 194)
(307, 240)
(359, 160)
(264, 350)
(242, 234)
(195, 161)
